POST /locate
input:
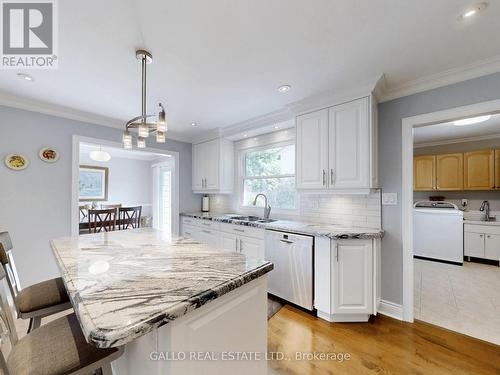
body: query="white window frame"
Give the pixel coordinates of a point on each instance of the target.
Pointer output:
(241, 180)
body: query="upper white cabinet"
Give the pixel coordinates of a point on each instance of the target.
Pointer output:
(213, 166)
(312, 150)
(336, 147)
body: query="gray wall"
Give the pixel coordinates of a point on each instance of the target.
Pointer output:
(390, 115)
(35, 204)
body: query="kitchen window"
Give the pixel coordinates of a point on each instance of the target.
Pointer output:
(269, 170)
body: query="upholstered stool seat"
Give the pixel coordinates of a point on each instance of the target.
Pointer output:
(42, 295)
(57, 347)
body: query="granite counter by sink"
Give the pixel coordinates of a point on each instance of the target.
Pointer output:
(124, 284)
(313, 229)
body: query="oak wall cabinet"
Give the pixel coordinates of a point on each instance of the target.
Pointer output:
(479, 170)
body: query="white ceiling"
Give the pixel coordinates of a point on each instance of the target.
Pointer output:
(448, 132)
(219, 62)
(115, 152)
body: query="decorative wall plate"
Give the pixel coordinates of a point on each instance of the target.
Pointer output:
(49, 154)
(16, 162)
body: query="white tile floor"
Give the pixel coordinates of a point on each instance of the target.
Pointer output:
(463, 299)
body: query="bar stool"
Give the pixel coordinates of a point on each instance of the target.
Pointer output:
(35, 301)
(56, 348)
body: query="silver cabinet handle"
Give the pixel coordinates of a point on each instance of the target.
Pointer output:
(481, 235)
(206, 231)
(488, 236)
(241, 245)
(206, 224)
(287, 241)
(188, 233)
(324, 177)
(236, 244)
(187, 221)
(337, 252)
(239, 230)
(331, 176)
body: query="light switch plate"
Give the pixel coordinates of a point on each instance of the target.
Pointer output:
(389, 199)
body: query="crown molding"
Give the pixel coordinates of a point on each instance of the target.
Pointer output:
(457, 140)
(13, 101)
(444, 78)
(270, 118)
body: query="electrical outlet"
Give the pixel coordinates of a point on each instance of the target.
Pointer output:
(389, 199)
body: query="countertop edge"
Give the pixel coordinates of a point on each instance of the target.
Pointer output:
(350, 234)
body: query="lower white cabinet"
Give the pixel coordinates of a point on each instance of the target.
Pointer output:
(352, 281)
(346, 279)
(231, 237)
(482, 241)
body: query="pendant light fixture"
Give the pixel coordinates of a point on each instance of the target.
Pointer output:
(140, 123)
(100, 155)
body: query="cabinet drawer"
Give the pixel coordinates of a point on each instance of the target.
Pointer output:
(189, 231)
(188, 220)
(202, 223)
(474, 228)
(242, 230)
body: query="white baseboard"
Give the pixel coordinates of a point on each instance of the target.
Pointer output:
(390, 309)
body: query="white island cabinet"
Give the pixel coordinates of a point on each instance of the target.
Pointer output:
(346, 279)
(175, 306)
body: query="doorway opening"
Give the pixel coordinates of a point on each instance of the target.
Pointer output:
(451, 273)
(139, 186)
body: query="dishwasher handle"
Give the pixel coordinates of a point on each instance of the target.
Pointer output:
(286, 241)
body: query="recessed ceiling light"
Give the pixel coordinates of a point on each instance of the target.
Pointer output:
(245, 135)
(276, 127)
(194, 124)
(25, 76)
(471, 120)
(284, 88)
(473, 10)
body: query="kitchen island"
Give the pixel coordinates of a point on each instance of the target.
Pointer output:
(176, 305)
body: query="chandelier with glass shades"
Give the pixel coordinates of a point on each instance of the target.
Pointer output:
(140, 124)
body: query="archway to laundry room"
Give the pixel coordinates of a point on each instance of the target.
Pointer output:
(116, 189)
(451, 234)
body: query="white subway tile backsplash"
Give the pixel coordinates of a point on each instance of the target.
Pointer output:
(347, 210)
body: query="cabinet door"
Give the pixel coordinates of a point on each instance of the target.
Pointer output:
(312, 150)
(492, 246)
(479, 173)
(497, 169)
(197, 161)
(349, 145)
(211, 155)
(209, 237)
(474, 244)
(189, 231)
(424, 173)
(229, 241)
(352, 278)
(450, 172)
(251, 247)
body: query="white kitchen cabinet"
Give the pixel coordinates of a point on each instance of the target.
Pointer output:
(336, 147)
(209, 237)
(349, 145)
(346, 279)
(352, 281)
(312, 150)
(252, 247)
(482, 241)
(492, 246)
(474, 244)
(190, 231)
(229, 241)
(213, 166)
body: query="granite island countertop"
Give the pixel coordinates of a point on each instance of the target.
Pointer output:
(314, 229)
(124, 284)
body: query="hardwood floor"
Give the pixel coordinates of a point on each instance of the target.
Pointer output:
(384, 345)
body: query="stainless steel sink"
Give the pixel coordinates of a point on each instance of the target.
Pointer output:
(253, 219)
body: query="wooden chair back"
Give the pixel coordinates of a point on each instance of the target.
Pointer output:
(129, 217)
(102, 220)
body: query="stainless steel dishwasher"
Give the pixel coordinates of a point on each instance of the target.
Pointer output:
(292, 276)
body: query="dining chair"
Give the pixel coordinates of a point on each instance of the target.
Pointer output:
(129, 217)
(36, 301)
(108, 206)
(102, 220)
(58, 347)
